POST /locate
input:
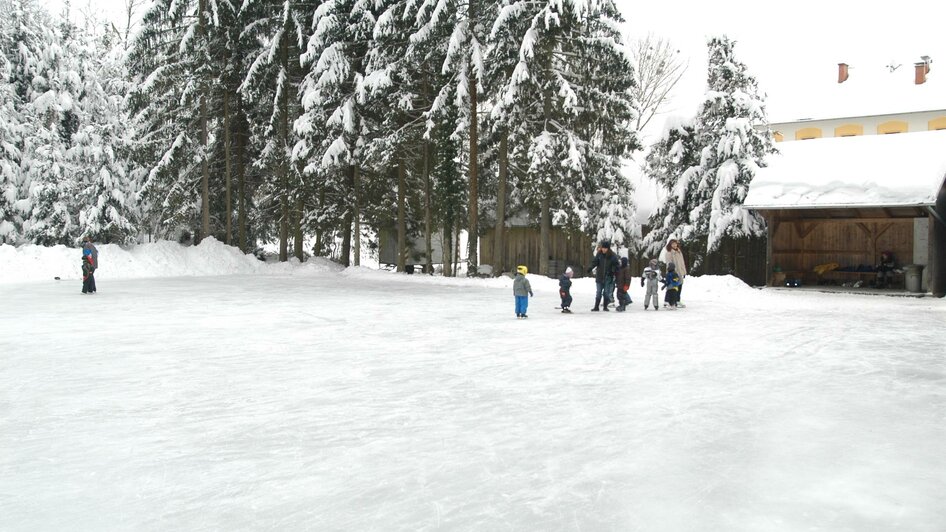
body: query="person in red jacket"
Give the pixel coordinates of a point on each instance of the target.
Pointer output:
(88, 273)
(623, 283)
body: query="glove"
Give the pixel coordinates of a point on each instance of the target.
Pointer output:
(531, 294)
(590, 270)
(642, 282)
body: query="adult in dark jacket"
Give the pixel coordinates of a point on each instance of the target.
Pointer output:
(605, 266)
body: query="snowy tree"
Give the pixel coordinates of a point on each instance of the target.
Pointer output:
(10, 136)
(108, 207)
(570, 90)
(733, 149)
(704, 195)
(271, 85)
(331, 126)
(674, 163)
(50, 107)
(172, 69)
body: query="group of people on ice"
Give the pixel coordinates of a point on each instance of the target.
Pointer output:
(612, 273)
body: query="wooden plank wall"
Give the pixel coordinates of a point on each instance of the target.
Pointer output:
(743, 258)
(522, 247)
(802, 245)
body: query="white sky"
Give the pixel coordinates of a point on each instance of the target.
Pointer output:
(791, 47)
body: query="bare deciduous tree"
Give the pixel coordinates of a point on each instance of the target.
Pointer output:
(658, 68)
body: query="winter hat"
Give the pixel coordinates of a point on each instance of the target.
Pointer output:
(522, 269)
(87, 252)
(606, 244)
(569, 272)
(623, 261)
(653, 263)
(671, 267)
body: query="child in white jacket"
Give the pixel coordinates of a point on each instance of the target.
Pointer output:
(651, 277)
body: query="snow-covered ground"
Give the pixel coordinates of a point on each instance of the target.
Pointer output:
(306, 397)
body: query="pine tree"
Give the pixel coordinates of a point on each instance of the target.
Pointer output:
(705, 195)
(10, 131)
(271, 85)
(50, 107)
(172, 75)
(674, 163)
(570, 90)
(733, 148)
(332, 127)
(108, 208)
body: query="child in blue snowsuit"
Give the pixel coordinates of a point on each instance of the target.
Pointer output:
(672, 283)
(522, 290)
(564, 290)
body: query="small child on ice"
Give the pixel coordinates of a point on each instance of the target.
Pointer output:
(88, 272)
(650, 275)
(522, 290)
(564, 290)
(672, 284)
(623, 282)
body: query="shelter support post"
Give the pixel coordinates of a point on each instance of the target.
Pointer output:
(938, 246)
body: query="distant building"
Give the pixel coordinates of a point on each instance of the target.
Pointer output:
(869, 177)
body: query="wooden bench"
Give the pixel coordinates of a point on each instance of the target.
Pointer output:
(896, 278)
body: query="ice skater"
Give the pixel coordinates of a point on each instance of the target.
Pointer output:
(522, 290)
(650, 277)
(623, 283)
(88, 272)
(564, 290)
(672, 283)
(604, 266)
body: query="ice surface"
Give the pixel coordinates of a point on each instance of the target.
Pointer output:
(307, 398)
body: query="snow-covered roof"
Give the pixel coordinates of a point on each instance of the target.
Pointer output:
(906, 169)
(872, 89)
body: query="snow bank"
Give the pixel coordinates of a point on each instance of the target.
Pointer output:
(160, 259)
(169, 259)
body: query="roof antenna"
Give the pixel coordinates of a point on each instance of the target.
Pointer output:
(893, 65)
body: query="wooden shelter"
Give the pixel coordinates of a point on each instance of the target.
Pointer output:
(845, 200)
(521, 243)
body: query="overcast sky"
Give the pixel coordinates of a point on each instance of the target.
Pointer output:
(793, 48)
(790, 48)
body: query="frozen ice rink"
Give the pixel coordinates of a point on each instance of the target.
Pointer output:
(363, 400)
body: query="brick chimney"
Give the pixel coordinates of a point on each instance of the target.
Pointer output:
(842, 72)
(922, 69)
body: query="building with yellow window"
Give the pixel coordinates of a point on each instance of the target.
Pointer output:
(869, 176)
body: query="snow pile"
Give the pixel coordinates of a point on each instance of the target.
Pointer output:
(160, 259)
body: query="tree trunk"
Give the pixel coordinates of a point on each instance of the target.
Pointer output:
(447, 244)
(282, 143)
(204, 164)
(356, 178)
(401, 218)
(472, 258)
(227, 165)
(499, 250)
(545, 231)
(345, 256)
(320, 233)
(240, 149)
(428, 215)
(297, 225)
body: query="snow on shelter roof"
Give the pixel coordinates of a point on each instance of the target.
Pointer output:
(906, 169)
